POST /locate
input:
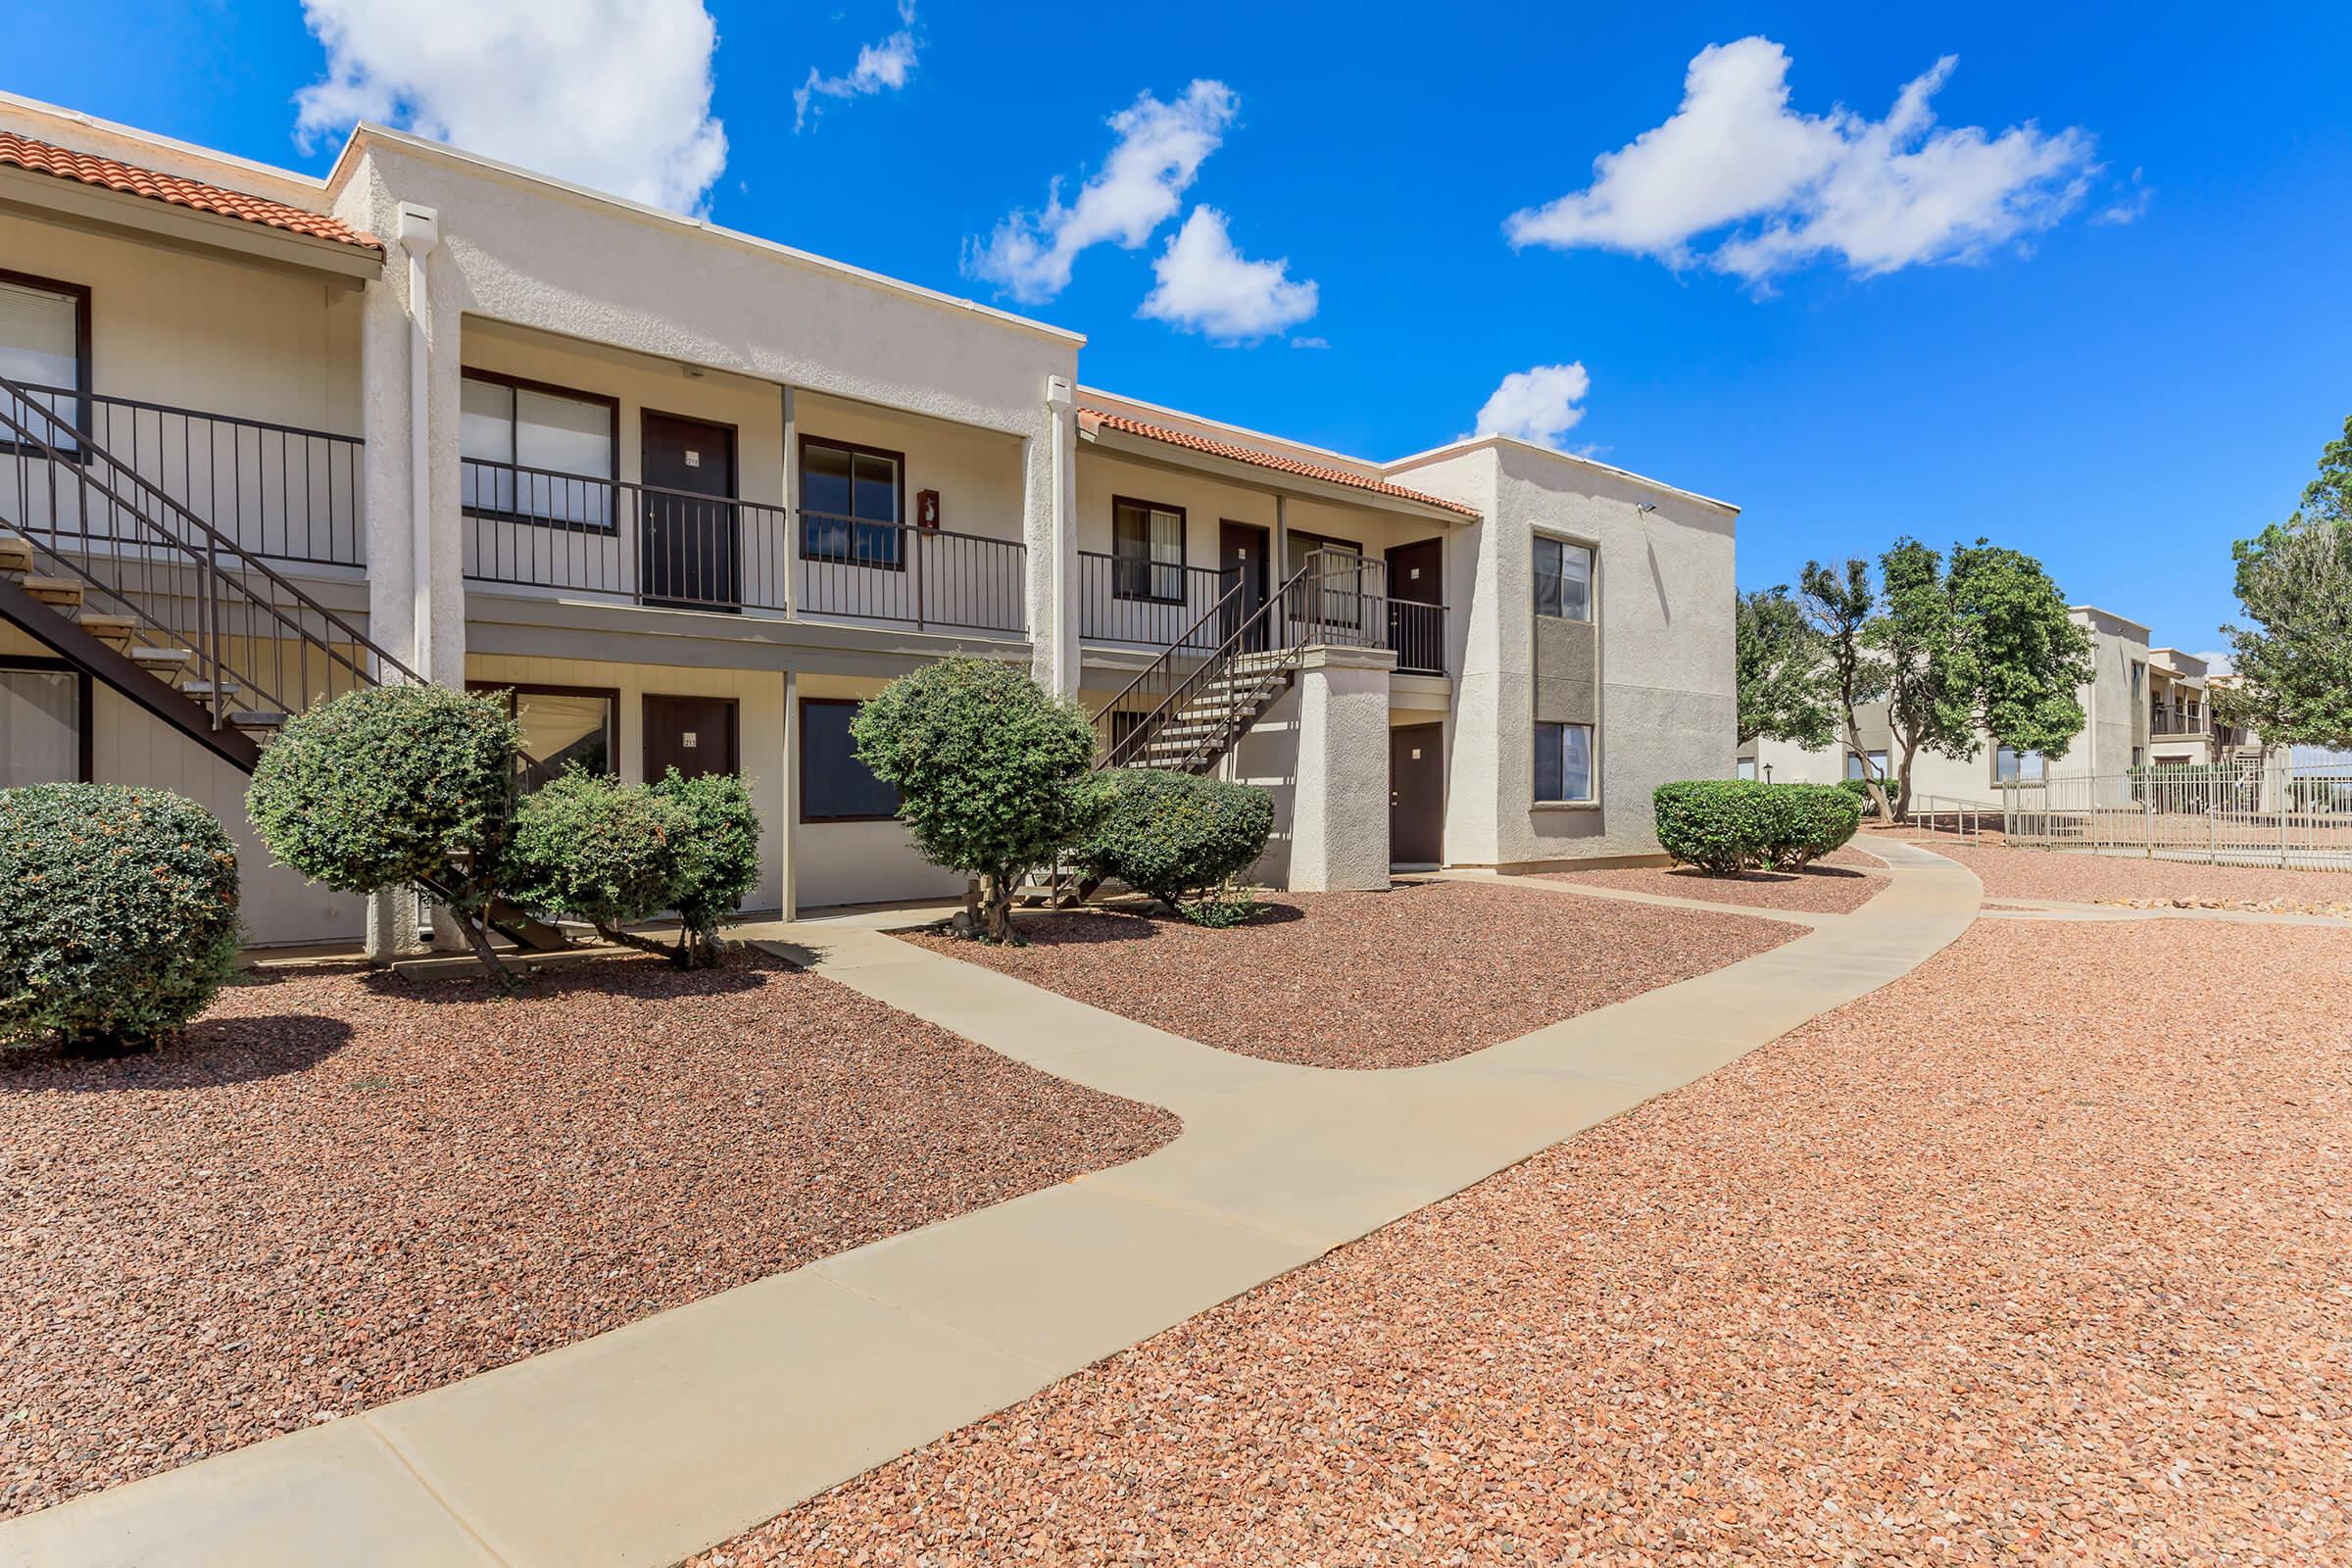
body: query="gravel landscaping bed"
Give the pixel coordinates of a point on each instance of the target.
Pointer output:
(2085, 878)
(2008, 1263)
(1422, 972)
(340, 1188)
(1839, 883)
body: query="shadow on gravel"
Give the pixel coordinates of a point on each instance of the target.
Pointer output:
(206, 1054)
(639, 976)
(1824, 873)
(1070, 928)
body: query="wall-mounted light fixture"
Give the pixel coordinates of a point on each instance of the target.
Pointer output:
(1645, 505)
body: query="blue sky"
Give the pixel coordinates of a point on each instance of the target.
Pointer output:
(2121, 397)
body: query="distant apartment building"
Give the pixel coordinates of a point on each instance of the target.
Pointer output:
(690, 496)
(2142, 707)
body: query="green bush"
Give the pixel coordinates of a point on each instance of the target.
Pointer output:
(593, 849)
(718, 849)
(1715, 824)
(1724, 826)
(989, 772)
(118, 912)
(380, 786)
(1177, 837)
(1804, 822)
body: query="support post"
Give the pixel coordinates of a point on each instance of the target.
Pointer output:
(792, 511)
(1339, 803)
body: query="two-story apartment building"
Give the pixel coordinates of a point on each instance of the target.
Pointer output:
(2142, 707)
(690, 495)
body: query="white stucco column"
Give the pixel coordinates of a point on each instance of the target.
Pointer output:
(1050, 530)
(1339, 805)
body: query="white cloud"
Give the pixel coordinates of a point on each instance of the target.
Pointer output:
(1539, 405)
(1310, 342)
(881, 68)
(1160, 151)
(1207, 286)
(1789, 187)
(612, 94)
(2218, 663)
(2128, 206)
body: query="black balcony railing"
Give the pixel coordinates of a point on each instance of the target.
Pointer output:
(272, 491)
(646, 544)
(1154, 602)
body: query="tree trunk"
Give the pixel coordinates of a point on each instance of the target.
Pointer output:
(1902, 786)
(480, 944)
(1872, 783)
(630, 939)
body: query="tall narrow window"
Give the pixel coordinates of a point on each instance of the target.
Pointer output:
(1563, 764)
(849, 505)
(835, 786)
(1147, 552)
(44, 348)
(1563, 579)
(536, 453)
(44, 723)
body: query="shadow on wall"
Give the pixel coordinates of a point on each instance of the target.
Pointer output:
(1268, 756)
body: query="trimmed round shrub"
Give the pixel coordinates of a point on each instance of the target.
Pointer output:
(1716, 824)
(1175, 836)
(382, 786)
(118, 913)
(1860, 791)
(593, 849)
(717, 852)
(1804, 822)
(1724, 826)
(989, 769)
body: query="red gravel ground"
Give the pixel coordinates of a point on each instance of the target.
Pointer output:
(338, 1189)
(1839, 883)
(2088, 878)
(2004, 1263)
(1422, 972)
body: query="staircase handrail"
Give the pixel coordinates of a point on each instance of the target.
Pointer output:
(15, 394)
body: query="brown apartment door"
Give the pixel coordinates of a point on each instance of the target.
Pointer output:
(1417, 794)
(1242, 551)
(1416, 581)
(691, 545)
(696, 735)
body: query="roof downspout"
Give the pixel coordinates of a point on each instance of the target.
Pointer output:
(420, 236)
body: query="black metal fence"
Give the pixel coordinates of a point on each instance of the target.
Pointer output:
(271, 490)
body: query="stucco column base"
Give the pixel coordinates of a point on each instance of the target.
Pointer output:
(392, 925)
(1339, 805)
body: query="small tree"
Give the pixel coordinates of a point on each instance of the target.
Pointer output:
(1784, 677)
(988, 769)
(2027, 661)
(2294, 581)
(1927, 670)
(1838, 604)
(718, 850)
(1178, 838)
(390, 785)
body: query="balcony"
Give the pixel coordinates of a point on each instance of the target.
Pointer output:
(645, 545)
(276, 492)
(1162, 605)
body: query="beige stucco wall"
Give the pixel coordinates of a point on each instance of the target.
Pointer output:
(1663, 589)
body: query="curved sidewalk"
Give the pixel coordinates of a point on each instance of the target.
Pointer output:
(645, 1445)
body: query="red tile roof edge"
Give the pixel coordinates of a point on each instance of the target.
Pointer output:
(1128, 425)
(88, 168)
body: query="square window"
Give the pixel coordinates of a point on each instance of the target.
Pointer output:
(563, 727)
(538, 454)
(849, 505)
(44, 723)
(1747, 768)
(1147, 552)
(1563, 579)
(1878, 766)
(2013, 766)
(1564, 763)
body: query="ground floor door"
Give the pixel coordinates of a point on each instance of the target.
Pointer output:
(1242, 552)
(1417, 794)
(696, 735)
(690, 545)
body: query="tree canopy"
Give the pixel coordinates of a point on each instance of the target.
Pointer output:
(2295, 580)
(1784, 673)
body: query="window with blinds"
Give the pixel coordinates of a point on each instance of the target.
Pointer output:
(1147, 552)
(44, 348)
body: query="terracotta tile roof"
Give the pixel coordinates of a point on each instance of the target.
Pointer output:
(1100, 418)
(66, 164)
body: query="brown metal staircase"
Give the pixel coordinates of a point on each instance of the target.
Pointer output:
(125, 581)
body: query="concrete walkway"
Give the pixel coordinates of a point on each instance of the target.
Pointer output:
(645, 1445)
